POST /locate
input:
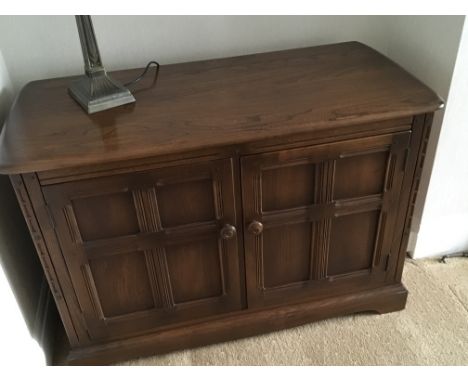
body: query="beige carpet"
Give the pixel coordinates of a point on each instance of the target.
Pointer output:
(432, 330)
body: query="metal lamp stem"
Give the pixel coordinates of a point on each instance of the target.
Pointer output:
(91, 55)
(96, 90)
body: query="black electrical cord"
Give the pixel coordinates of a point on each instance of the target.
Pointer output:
(133, 82)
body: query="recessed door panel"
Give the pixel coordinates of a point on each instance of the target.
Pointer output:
(352, 242)
(186, 201)
(360, 175)
(122, 284)
(287, 187)
(195, 270)
(105, 216)
(286, 252)
(319, 219)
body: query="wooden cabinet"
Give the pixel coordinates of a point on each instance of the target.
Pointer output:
(236, 197)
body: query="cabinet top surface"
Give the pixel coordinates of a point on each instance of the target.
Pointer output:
(211, 103)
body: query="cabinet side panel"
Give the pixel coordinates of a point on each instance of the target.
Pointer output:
(34, 210)
(421, 129)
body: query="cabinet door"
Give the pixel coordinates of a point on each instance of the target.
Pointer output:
(319, 220)
(151, 248)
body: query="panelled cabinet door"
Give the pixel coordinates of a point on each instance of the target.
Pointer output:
(319, 220)
(151, 248)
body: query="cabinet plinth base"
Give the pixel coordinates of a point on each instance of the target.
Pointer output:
(238, 325)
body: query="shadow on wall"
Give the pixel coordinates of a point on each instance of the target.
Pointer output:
(20, 263)
(5, 102)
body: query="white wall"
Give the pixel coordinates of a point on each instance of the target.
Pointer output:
(6, 89)
(427, 46)
(444, 223)
(36, 47)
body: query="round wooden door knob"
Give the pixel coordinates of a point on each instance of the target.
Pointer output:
(255, 228)
(228, 232)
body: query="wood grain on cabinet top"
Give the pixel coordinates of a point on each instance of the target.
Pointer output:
(209, 104)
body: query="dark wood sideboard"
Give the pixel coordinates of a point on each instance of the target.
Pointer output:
(237, 196)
